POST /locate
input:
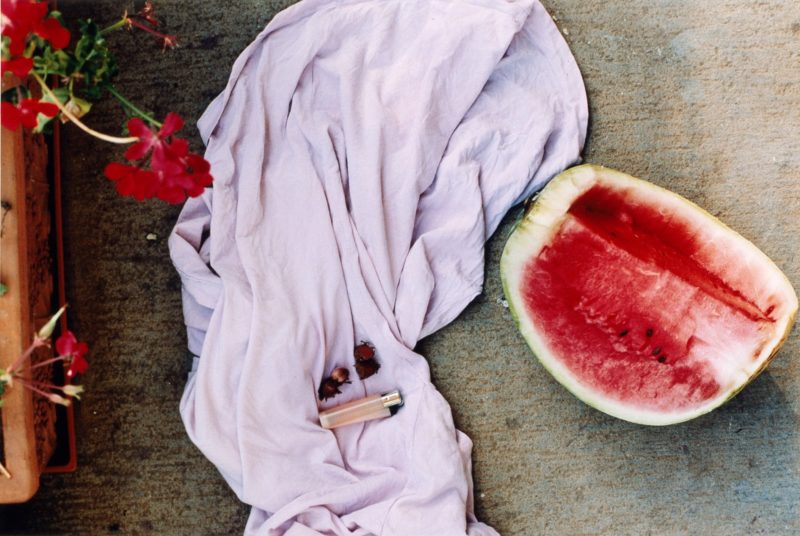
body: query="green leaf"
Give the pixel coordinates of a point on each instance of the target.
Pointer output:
(51, 61)
(94, 65)
(6, 42)
(62, 94)
(42, 121)
(57, 15)
(3, 289)
(78, 107)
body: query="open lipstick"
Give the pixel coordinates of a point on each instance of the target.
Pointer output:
(366, 409)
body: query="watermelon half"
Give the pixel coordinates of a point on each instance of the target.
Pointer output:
(639, 302)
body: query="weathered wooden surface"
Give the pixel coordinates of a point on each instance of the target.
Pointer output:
(28, 421)
(700, 97)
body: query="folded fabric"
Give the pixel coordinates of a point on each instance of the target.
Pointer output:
(363, 151)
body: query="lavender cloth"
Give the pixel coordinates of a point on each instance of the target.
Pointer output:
(363, 152)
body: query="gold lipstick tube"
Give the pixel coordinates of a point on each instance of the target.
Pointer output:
(371, 407)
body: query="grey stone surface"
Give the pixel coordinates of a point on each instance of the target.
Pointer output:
(700, 97)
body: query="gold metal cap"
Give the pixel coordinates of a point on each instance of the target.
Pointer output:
(391, 399)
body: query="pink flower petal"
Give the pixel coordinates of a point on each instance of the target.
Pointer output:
(179, 147)
(138, 150)
(138, 128)
(172, 124)
(172, 194)
(65, 344)
(198, 163)
(52, 30)
(47, 108)
(147, 185)
(79, 365)
(19, 67)
(10, 116)
(28, 109)
(116, 171)
(165, 161)
(126, 186)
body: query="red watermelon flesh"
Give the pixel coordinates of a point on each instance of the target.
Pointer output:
(638, 301)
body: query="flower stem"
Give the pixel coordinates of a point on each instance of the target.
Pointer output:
(33, 388)
(168, 39)
(41, 385)
(47, 362)
(117, 25)
(37, 343)
(132, 107)
(21, 359)
(78, 123)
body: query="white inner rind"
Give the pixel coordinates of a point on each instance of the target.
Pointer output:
(726, 253)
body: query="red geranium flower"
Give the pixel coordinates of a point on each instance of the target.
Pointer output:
(25, 113)
(19, 67)
(148, 139)
(181, 173)
(174, 172)
(23, 17)
(132, 180)
(68, 346)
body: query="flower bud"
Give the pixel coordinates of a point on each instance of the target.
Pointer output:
(73, 390)
(58, 399)
(47, 329)
(6, 378)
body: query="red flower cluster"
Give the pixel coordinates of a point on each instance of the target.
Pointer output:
(25, 113)
(68, 347)
(20, 19)
(19, 67)
(174, 172)
(24, 17)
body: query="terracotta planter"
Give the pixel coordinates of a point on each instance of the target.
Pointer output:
(31, 267)
(25, 268)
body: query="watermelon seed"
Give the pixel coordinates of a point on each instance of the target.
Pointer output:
(649, 332)
(656, 350)
(623, 332)
(662, 359)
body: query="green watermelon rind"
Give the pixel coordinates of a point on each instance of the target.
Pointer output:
(528, 230)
